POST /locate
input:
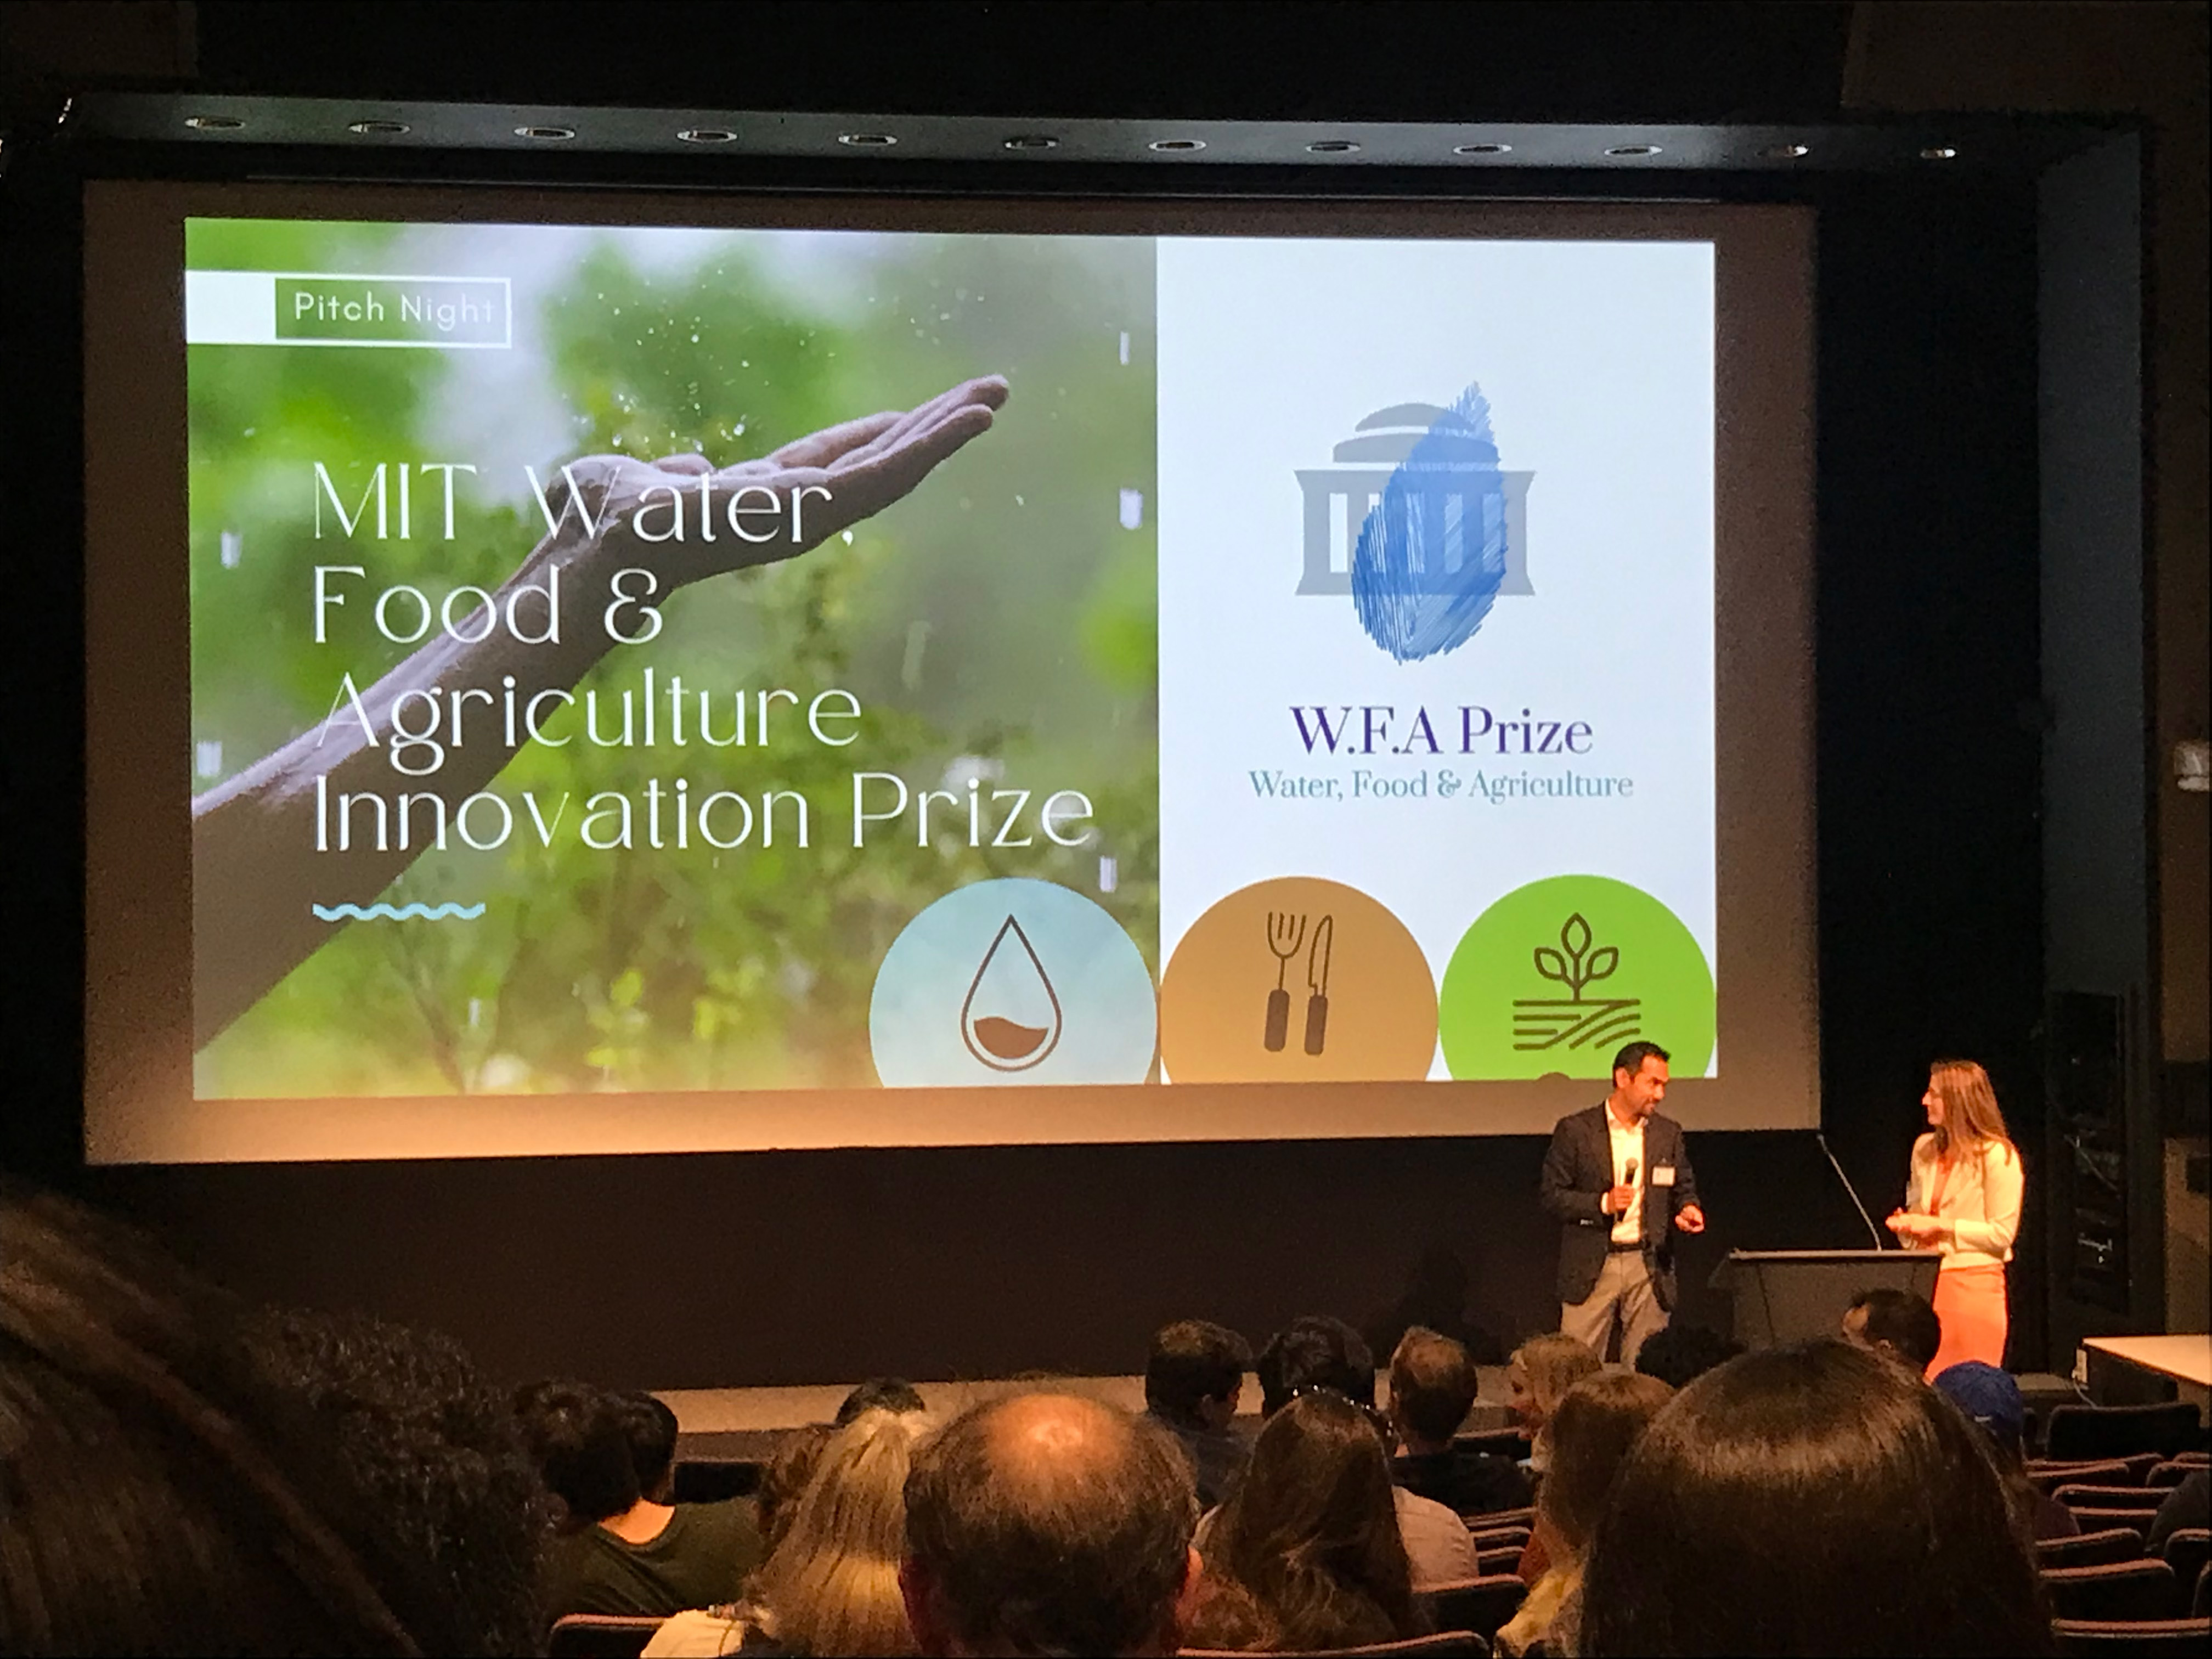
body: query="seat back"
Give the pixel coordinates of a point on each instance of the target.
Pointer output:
(1509, 1443)
(1480, 1605)
(1491, 1520)
(715, 1480)
(2114, 1590)
(2168, 1475)
(1500, 1538)
(2089, 1636)
(2081, 1494)
(2187, 1551)
(2087, 1431)
(599, 1636)
(2200, 1605)
(2134, 1520)
(1491, 1562)
(2048, 1477)
(1444, 1644)
(2090, 1549)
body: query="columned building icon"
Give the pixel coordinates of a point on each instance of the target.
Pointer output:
(1339, 498)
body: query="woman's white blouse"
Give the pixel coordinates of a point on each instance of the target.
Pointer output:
(1980, 1197)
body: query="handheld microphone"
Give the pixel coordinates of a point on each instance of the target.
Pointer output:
(1629, 1180)
(1873, 1231)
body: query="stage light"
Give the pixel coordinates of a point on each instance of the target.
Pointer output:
(1176, 146)
(867, 140)
(214, 123)
(2192, 766)
(380, 128)
(1482, 150)
(1333, 147)
(1939, 153)
(549, 134)
(1629, 151)
(708, 136)
(1030, 141)
(1785, 152)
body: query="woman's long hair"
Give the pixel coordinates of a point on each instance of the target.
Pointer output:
(1971, 1117)
(1307, 1554)
(832, 1585)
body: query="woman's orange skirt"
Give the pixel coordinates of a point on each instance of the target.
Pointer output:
(1971, 1303)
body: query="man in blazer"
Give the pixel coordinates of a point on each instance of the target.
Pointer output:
(1618, 1180)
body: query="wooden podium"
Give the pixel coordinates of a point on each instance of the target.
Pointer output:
(1788, 1296)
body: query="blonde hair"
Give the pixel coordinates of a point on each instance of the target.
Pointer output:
(1971, 1117)
(1553, 1362)
(832, 1584)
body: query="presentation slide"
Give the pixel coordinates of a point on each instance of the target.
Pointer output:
(635, 662)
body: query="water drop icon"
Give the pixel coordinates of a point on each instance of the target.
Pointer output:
(1010, 1019)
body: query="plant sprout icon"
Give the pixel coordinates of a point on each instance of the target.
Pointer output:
(1575, 1020)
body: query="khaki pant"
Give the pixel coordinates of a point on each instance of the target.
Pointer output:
(1624, 1291)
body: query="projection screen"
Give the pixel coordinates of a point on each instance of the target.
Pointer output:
(601, 673)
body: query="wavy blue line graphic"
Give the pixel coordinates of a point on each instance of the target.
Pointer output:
(428, 913)
(1431, 556)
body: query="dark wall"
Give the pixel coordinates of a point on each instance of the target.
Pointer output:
(809, 1267)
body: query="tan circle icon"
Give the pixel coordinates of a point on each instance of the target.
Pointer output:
(1297, 980)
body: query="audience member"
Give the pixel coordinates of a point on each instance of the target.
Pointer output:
(651, 1428)
(1432, 1387)
(1897, 1323)
(2189, 1504)
(1308, 1555)
(622, 1553)
(1043, 1523)
(161, 1493)
(1537, 1378)
(1593, 1432)
(437, 1449)
(833, 1587)
(881, 1393)
(1679, 1355)
(796, 1457)
(1993, 1400)
(1812, 1499)
(1193, 1380)
(1316, 1351)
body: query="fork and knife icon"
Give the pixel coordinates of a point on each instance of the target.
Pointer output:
(1286, 936)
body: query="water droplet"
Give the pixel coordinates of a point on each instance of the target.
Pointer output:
(1010, 1019)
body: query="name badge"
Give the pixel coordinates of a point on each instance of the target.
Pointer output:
(1662, 1174)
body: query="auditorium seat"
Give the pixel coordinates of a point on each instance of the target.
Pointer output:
(2087, 1431)
(2079, 1496)
(2135, 1521)
(1500, 1538)
(2200, 1605)
(2091, 1549)
(2097, 1636)
(712, 1480)
(1444, 1644)
(597, 1636)
(2047, 1477)
(1507, 1559)
(2117, 1589)
(1489, 1520)
(2170, 1474)
(2187, 1550)
(1476, 1604)
(1509, 1443)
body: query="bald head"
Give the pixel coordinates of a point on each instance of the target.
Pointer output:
(1045, 1524)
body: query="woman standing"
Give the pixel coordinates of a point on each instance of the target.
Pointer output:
(1964, 1199)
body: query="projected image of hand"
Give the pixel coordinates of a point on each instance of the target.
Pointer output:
(688, 519)
(257, 871)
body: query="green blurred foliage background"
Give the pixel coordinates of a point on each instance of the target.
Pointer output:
(1000, 620)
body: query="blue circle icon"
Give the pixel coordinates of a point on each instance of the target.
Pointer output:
(1014, 981)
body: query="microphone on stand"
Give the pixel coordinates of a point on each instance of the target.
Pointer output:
(1873, 1231)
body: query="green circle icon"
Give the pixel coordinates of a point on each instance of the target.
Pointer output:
(1553, 978)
